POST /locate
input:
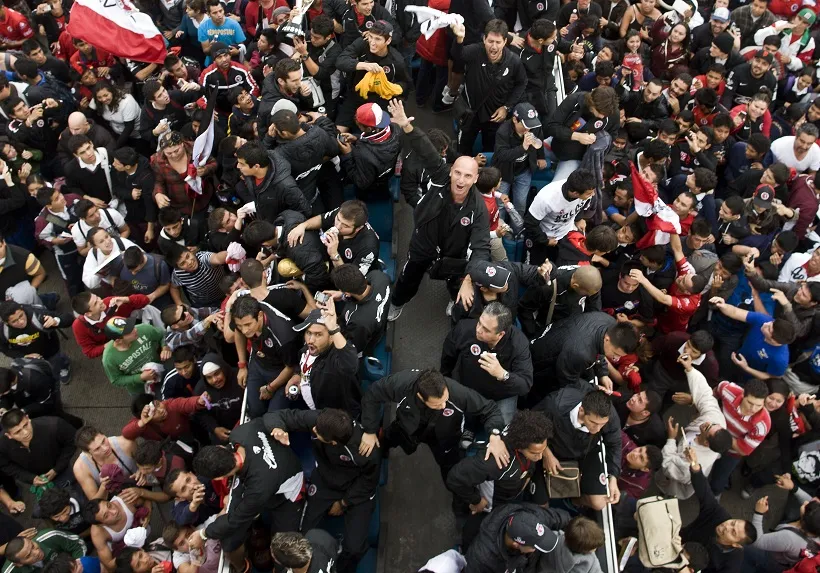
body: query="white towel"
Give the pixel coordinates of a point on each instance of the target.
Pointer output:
(135, 537)
(432, 19)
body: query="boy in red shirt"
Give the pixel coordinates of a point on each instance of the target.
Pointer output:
(683, 297)
(489, 180)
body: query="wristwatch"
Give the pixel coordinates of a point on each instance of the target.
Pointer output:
(496, 432)
(506, 376)
(334, 331)
(336, 257)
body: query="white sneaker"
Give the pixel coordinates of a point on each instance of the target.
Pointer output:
(446, 97)
(449, 311)
(394, 313)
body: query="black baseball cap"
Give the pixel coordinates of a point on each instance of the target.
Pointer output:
(524, 528)
(490, 276)
(314, 317)
(763, 196)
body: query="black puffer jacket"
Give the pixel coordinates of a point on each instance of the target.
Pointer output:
(557, 363)
(307, 154)
(278, 191)
(488, 552)
(370, 164)
(352, 30)
(226, 402)
(310, 256)
(510, 156)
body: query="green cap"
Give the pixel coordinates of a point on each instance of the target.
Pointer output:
(808, 15)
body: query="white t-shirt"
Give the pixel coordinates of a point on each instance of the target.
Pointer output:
(111, 223)
(92, 262)
(557, 215)
(795, 270)
(127, 110)
(783, 151)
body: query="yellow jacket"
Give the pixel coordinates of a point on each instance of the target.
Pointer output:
(379, 84)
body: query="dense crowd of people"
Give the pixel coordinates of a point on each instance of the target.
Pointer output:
(623, 214)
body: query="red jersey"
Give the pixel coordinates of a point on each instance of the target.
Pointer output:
(677, 315)
(492, 208)
(15, 27)
(748, 431)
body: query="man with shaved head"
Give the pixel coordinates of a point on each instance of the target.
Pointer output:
(577, 290)
(78, 124)
(451, 220)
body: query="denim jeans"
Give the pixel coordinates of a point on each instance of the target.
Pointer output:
(520, 190)
(722, 472)
(508, 407)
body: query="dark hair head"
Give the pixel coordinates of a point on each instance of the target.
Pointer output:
(624, 336)
(732, 262)
(705, 179)
(184, 353)
(542, 29)
(778, 386)
(85, 436)
(170, 533)
(169, 216)
(213, 462)
(783, 331)
(7, 308)
(750, 533)
(148, 453)
(123, 560)
(810, 522)
(488, 179)
(605, 69)
(44, 196)
(702, 341)
(246, 305)
(252, 272)
(287, 121)
(139, 402)
(53, 501)
(787, 240)
(653, 401)
(285, 67)
(334, 425)
(756, 388)
(668, 127)
(604, 100)
(291, 550)
(735, 204)
(583, 535)
(61, 563)
(655, 457)
(760, 143)
(133, 257)
(431, 384)
(720, 442)
(258, 232)
(580, 181)
(29, 46)
(26, 68)
(601, 239)
(700, 228)
(150, 89)
(14, 547)
(598, 403)
(656, 150)
(439, 139)
(174, 254)
(75, 142)
(253, 153)
(356, 211)
(90, 510)
(707, 97)
(349, 279)
(526, 428)
(128, 156)
(322, 25)
(497, 26)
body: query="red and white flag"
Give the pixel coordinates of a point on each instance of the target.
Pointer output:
(203, 145)
(661, 218)
(118, 27)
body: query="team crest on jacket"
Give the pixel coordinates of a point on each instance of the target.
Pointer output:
(551, 48)
(237, 78)
(475, 349)
(447, 412)
(598, 124)
(465, 221)
(602, 478)
(348, 253)
(345, 458)
(387, 69)
(368, 24)
(539, 6)
(312, 490)
(269, 343)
